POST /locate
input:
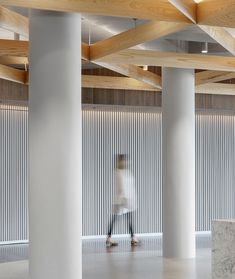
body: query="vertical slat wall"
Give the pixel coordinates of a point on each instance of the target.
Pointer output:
(215, 168)
(13, 173)
(137, 133)
(108, 131)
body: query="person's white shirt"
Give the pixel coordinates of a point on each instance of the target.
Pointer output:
(125, 195)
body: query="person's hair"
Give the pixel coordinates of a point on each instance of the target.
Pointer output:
(120, 158)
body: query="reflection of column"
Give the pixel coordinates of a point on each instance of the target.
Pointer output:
(55, 146)
(179, 268)
(178, 155)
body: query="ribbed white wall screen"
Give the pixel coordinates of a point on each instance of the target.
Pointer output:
(13, 173)
(108, 131)
(215, 168)
(137, 133)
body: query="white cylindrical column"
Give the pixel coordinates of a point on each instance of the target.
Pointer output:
(178, 156)
(55, 155)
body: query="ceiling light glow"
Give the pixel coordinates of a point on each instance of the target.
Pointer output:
(205, 48)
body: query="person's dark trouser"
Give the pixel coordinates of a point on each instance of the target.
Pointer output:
(128, 217)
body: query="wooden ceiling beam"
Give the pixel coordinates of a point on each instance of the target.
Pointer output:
(212, 76)
(216, 89)
(120, 83)
(14, 22)
(124, 83)
(21, 49)
(111, 82)
(14, 48)
(171, 59)
(135, 72)
(12, 74)
(187, 7)
(85, 51)
(216, 13)
(13, 60)
(147, 9)
(220, 35)
(142, 33)
(208, 12)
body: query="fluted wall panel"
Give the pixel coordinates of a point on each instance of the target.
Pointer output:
(107, 131)
(215, 167)
(13, 173)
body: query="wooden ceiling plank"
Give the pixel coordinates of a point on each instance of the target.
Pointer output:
(212, 76)
(14, 48)
(124, 83)
(21, 48)
(220, 35)
(216, 13)
(171, 59)
(85, 51)
(119, 83)
(187, 7)
(142, 33)
(12, 74)
(14, 22)
(109, 82)
(216, 89)
(147, 9)
(135, 72)
(13, 60)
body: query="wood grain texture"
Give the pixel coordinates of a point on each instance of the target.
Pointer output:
(216, 13)
(14, 22)
(15, 93)
(108, 82)
(135, 72)
(12, 74)
(13, 60)
(187, 7)
(220, 35)
(216, 89)
(21, 49)
(121, 97)
(147, 9)
(171, 59)
(14, 48)
(123, 83)
(212, 76)
(12, 92)
(142, 33)
(85, 51)
(26, 81)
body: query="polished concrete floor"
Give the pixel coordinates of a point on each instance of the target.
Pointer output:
(121, 262)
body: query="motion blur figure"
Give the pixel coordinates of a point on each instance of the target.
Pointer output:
(125, 202)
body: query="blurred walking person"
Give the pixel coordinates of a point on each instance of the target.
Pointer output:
(125, 201)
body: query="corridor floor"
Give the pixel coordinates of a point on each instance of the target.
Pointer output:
(120, 262)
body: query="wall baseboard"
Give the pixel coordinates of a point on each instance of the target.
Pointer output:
(99, 237)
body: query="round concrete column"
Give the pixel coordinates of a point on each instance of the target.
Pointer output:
(178, 156)
(55, 154)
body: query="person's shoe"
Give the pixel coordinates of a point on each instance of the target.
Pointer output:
(110, 242)
(135, 242)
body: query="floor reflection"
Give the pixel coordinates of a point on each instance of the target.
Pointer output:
(121, 262)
